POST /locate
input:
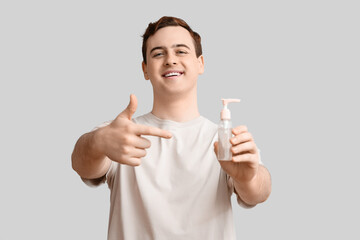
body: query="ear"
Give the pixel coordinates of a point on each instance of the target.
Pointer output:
(144, 68)
(201, 64)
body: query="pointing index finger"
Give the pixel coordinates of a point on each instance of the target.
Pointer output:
(152, 131)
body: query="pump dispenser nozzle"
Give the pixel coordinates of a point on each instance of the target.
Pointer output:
(225, 131)
(225, 113)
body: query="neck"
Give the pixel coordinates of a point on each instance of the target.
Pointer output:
(176, 108)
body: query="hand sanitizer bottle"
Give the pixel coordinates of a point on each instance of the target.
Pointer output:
(224, 132)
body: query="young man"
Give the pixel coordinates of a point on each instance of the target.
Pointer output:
(161, 168)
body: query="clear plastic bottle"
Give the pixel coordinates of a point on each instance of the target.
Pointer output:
(224, 132)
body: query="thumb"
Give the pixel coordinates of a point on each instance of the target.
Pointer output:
(130, 109)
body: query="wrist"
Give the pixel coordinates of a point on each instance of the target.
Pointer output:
(249, 190)
(247, 184)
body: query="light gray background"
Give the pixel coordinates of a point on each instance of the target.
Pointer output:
(66, 66)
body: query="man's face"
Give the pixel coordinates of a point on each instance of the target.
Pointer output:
(172, 65)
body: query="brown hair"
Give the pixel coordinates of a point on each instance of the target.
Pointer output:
(166, 22)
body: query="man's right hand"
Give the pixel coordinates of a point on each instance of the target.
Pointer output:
(122, 140)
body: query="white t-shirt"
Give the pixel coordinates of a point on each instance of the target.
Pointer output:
(178, 192)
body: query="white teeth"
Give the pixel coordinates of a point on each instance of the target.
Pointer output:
(172, 74)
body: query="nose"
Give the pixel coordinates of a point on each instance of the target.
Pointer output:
(170, 60)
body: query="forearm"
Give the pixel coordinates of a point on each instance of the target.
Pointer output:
(87, 159)
(256, 190)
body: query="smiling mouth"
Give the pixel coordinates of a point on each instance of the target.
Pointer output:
(172, 74)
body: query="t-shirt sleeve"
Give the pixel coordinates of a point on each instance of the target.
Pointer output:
(230, 183)
(108, 177)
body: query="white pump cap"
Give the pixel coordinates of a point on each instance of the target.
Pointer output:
(225, 113)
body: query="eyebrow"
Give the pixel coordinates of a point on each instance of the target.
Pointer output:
(173, 46)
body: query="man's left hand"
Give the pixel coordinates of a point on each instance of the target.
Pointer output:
(244, 165)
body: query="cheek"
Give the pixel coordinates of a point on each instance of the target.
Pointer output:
(151, 70)
(195, 67)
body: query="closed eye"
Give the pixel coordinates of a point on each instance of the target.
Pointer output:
(181, 52)
(158, 54)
